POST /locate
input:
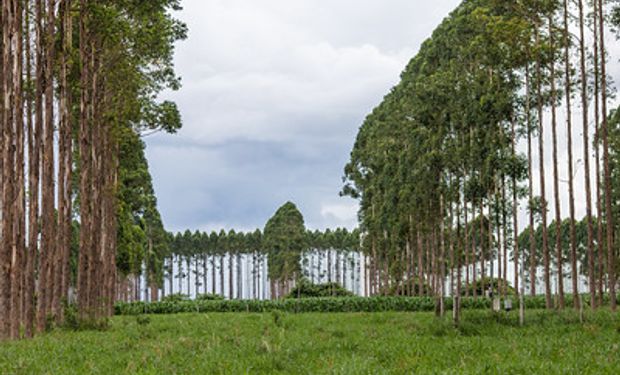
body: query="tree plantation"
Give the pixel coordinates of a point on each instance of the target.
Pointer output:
(485, 187)
(79, 86)
(255, 265)
(443, 165)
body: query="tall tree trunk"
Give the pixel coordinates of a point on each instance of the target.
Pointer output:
(586, 154)
(239, 277)
(222, 275)
(213, 274)
(86, 180)
(482, 247)
(541, 166)
(456, 308)
(473, 257)
(611, 258)
(569, 141)
(505, 226)
(5, 301)
(556, 177)
(9, 93)
(515, 213)
(48, 248)
(599, 197)
(19, 228)
(530, 169)
(231, 294)
(34, 146)
(442, 257)
(466, 248)
(205, 274)
(65, 163)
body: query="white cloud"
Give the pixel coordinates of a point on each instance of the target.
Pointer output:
(344, 213)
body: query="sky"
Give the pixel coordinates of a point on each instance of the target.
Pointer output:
(274, 92)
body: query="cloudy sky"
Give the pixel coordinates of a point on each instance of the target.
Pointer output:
(273, 94)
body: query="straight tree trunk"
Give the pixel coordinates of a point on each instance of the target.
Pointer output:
(556, 177)
(541, 166)
(569, 141)
(586, 154)
(611, 258)
(515, 214)
(213, 274)
(48, 249)
(505, 225)
(231, 294)
(466, 248)
(86, 181)
(65, 162)
(222, 275)
(19, 228)
(599, 196)
(34, 147)
(530, 183)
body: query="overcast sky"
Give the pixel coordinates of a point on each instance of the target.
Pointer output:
(273, 94)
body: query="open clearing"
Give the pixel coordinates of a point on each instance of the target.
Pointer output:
(360, 343)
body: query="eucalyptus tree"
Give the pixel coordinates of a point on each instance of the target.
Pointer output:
(222, 242)
(556, 178)
(597, 143)
(284, 241)
(569, 139)
(77, 106)
(586, 148)
(213, 247)
(611, 257)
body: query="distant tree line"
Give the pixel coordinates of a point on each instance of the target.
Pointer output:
(258, 265)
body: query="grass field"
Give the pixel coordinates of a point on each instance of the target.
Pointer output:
(357, 343)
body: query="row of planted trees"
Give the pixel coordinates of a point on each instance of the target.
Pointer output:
(252, 265)
(443, 165)
(79, 80)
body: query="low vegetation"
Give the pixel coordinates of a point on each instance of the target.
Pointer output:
(353, 343)
(318, 304)
(306, 289)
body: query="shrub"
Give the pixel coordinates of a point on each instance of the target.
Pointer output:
(209, 297)
(306, 289)
(314, 304)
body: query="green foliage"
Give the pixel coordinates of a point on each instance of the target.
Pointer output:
(306, 289)
(285, 240)
(615, 19)
(441, 140)
(318, 343)
(209, 297)
(141, 234)
(320, 304)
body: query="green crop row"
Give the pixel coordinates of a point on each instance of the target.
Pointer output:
(326, 304)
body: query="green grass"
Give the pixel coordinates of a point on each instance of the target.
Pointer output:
(346, 343)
